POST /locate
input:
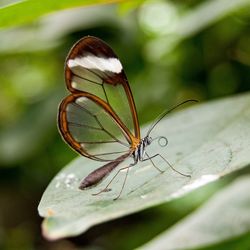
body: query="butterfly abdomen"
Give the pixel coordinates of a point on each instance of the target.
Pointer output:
(97, 175)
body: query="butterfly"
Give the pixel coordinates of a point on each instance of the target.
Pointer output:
(99, 118)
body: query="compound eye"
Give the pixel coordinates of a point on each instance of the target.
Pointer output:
(150, 140)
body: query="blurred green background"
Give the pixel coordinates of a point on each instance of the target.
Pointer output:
(171, 51)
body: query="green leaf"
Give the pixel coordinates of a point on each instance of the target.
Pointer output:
(198, 18)
(24, 12)
(207, 141)
(225, 216)
(23, 131)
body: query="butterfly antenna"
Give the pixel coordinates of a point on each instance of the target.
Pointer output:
(162, 115)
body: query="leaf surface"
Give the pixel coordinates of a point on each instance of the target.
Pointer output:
(27, 11)
(224, 216)
(206, 141)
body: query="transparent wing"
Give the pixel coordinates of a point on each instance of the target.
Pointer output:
(93, 67)
(86, 121)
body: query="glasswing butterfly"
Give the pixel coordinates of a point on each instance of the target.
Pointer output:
(100, 110)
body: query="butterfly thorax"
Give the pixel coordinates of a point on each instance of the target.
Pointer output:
(139, 153)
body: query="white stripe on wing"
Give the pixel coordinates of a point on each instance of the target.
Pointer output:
(94, 62)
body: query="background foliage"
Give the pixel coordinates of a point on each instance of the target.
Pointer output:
(171, 51)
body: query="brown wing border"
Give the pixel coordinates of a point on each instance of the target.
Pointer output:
(95, 45)
(64, 130)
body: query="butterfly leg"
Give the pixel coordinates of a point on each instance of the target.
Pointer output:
(151, 157)
(123, 184)
(106, 189)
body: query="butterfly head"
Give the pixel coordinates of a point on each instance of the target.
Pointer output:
(162, 140)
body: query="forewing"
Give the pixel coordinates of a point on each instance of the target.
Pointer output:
(93, 67)
(85, 121)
